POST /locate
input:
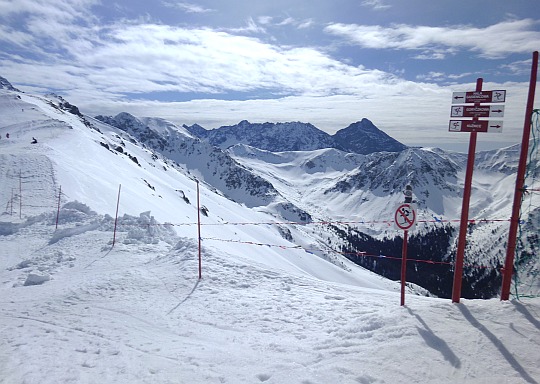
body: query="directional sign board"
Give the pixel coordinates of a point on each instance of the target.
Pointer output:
(405, 216)
(475, 126)
(477, 111)
(498, 96)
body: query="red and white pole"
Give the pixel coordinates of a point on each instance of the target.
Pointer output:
(458, 272)
(520, 182)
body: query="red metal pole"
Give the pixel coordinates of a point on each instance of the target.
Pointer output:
(199, 228)
(460, 254)
(116, 216)
(403, 267)
(520, 182)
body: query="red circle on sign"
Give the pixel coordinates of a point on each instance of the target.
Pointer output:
(405, 216)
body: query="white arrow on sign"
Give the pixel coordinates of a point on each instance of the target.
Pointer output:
(498, 96)
(475, 126)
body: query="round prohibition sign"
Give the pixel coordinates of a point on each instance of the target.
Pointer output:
(405, 217)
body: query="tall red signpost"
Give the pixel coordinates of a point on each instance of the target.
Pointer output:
(473, 126)
(404, 219)
(520, 181)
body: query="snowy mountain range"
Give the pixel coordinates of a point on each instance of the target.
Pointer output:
(312, 179)
(351, 181)
(99, 259)
(361, 137)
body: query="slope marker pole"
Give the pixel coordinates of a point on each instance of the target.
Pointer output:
(116, 216)
(58, 210)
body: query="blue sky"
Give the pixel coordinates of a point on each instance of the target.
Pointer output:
(329, 63)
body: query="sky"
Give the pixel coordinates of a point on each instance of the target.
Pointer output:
(329, 63)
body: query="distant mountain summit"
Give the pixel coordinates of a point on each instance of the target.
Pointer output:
(361, 137)
(274, 137)
(4, 84)
(196, 130)
(364, 137)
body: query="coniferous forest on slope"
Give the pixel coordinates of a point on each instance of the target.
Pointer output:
(429, 265)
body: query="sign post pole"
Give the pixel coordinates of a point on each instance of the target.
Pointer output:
(520, 181)
(458, 271)
(473, 126)
(403, 267)
(405, 219)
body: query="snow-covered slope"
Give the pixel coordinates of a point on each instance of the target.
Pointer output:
(354, 194)
(91, 162)
(74, 308)
(313, 178)
(137, 313)
(207, 162)
(363, 191)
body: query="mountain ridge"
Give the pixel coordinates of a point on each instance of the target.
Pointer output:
(361, 137)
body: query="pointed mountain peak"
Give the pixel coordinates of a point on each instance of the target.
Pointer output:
(5, 84)
(196, 130)
(124, 121)
(364, 137)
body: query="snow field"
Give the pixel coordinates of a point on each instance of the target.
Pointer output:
(138, 313)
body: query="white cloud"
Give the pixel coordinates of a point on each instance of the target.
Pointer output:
(251, 27)
(306, 24)
(149, 58)
(434, 54)
(49, 29)
(522, 67)
(52, 10)
(187, 7)
(101, 68)
(498, 40)
(272, 21)
(265, 20)
(11, 36)
(441, 76)
(288, 21)
(375, 4)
